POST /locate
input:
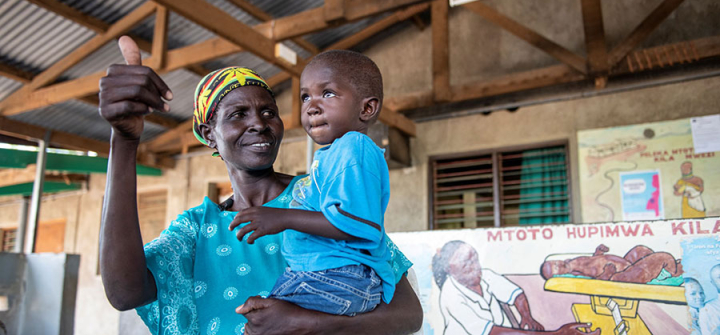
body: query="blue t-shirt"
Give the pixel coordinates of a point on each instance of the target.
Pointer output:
(202, 272)
(349, 183)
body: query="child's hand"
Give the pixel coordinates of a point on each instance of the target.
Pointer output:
(263, 221)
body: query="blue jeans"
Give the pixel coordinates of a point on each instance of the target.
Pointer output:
(346, 290)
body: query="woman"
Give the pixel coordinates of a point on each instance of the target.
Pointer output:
(472, 298)
(187, 279)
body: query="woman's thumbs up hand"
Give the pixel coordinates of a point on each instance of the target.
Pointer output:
(129, 92)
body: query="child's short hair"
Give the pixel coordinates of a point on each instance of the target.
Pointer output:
(360, 70)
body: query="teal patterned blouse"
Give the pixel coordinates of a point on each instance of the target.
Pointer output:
(203, 272)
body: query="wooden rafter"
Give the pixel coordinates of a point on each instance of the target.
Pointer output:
(440, 51)
(552, 75)
(261, 15)
(92, 99)
(313, 20)
(594, 37)
(66, 140)
(159, 42)
(161, 141)
(295, 109)
(178, 58)
(229, 28)
(643, 30)
(15, 73)
(62, 139)
(72, 14)
(100, 26)
(367, 32)
(379, 26)
(661, 56)
(54, 71)
(168, 141)
(88, 85)
(528, 35)
(669, 55)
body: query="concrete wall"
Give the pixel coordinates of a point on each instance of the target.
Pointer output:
(478, 51)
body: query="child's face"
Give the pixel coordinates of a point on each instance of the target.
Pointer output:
(330, 105)
(694, 295)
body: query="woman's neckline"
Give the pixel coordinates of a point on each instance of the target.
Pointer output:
(222, 207)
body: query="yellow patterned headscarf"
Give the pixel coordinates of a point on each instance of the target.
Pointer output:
(215, 86)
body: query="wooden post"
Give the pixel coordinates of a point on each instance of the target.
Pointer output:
(440, 51)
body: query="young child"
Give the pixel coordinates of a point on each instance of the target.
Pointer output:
(334, 239)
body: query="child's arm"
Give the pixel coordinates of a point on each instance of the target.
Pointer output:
(268, 221)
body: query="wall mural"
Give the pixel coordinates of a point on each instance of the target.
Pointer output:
(646, 172)
(622, 278)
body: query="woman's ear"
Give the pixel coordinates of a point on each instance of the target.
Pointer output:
(207, 134)
(371, 109)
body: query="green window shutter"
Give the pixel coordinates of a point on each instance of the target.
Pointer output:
(500, 188)
(535, 186)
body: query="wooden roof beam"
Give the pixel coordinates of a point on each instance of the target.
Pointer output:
(227, 27)
(362, 35)
(72, 14)
(643, 30)
(99, 26)
(159, 42)
(92, 99)
(261, 15)
(440, 50)
(71, 141)
(66, 140)
(313, 20)
(595, 37)
(184, 57)
(88, 85)
(55, 70)
(15, 73)
(528, 35)
(295, 107)
(665, 55)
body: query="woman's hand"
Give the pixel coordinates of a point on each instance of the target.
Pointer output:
(263, 221)
(129, 92)
(262, 315)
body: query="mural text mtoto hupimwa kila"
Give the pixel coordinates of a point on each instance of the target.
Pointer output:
(658, 277)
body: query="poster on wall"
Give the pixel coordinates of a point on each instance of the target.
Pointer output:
(626, 278)
(688, 181)
(641, 196)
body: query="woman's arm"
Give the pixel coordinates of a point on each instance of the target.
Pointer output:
(125, 96)
(402, 316)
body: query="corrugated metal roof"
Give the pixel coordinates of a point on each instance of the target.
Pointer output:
(32, 39)
(77, 118)
(8, 86)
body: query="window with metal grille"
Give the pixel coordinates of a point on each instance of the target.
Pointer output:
(500, 188)
(8, 239)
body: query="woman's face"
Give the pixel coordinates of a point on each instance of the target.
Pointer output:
(465, 266)
(248, 129)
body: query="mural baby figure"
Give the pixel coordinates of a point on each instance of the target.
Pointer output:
(334, 237)
(640, 265)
